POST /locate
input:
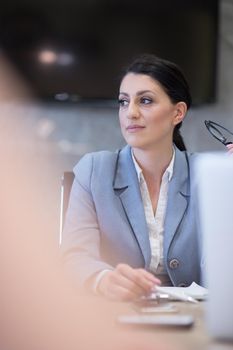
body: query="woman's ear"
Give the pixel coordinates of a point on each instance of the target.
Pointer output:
(180, 112)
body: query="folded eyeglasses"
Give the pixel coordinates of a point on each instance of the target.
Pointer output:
(219, 132)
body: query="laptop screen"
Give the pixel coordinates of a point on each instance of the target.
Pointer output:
(215, 194)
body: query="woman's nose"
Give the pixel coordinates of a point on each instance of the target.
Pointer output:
(133, 110)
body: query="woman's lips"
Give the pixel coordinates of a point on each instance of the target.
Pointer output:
(134, 128)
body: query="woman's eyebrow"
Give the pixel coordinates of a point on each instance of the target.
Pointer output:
(141, 92)
(123, 93)
(138, 93)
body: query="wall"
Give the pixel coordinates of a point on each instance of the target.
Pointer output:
(194, 131)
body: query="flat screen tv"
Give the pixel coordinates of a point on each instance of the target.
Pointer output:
(74, 50)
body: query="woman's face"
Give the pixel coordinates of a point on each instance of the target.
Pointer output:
(147, 115)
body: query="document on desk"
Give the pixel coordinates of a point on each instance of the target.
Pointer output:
(194, 291)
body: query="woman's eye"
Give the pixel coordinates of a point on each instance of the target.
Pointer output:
(122, 102)
(146, 100)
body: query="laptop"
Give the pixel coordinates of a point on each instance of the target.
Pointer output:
(215, 194)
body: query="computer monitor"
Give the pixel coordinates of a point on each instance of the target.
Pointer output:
(74, 50)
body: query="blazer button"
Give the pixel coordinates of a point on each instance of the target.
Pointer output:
(174, 263)
(182, 284)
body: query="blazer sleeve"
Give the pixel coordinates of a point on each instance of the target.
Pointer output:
(81, 235)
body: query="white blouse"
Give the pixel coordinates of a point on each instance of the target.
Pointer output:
(155, 222)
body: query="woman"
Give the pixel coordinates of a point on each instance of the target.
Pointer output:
(131, 222)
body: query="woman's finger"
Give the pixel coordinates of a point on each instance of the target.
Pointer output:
(151, 277)
(115, 286)
(230, 148)
(127, 283)
(146, 281)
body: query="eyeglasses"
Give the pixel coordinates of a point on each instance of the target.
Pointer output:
(218, 132)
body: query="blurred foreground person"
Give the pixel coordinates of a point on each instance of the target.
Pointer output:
(39, 309)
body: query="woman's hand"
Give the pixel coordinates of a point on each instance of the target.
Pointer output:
(125, 283)
(230, 148)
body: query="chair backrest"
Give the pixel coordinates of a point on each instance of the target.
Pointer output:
(66, 184)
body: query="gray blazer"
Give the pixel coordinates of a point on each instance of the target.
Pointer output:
(105, 222)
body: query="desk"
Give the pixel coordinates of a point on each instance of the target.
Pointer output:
(194, 338)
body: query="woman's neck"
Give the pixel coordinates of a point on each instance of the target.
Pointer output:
(153, 162)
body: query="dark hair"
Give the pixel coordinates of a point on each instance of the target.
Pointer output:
(171, 78)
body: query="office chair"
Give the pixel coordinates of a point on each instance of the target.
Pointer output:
(66, 184)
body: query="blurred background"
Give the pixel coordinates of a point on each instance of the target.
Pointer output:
(60, 64)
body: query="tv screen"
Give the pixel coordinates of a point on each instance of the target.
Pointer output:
(74, 50)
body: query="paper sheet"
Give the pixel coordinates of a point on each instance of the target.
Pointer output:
(194, 290)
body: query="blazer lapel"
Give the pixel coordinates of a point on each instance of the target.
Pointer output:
(178, 198)
(126, 186)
